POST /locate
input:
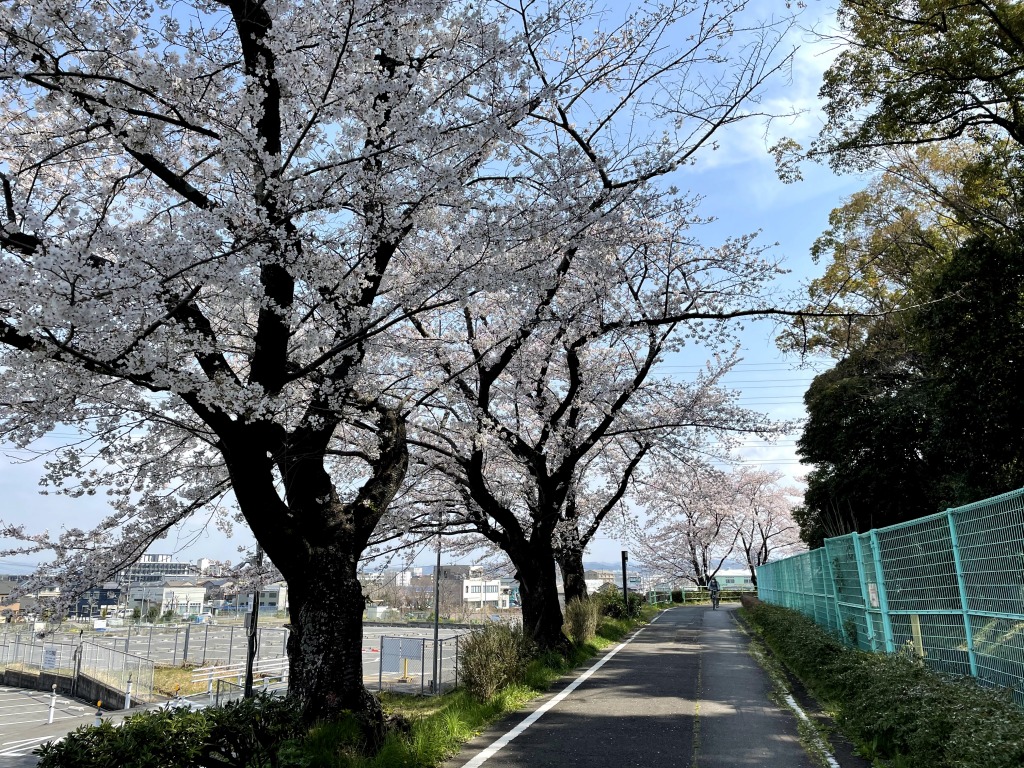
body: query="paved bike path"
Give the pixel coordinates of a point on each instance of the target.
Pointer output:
(683, 693)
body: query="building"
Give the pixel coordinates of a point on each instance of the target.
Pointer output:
(604, 577)
(460, 572)
(738, 579)
(98, 602)
(153, 569)
(179, 597)
(485, 593)
(273, 598)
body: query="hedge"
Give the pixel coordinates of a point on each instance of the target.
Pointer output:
(892, 705)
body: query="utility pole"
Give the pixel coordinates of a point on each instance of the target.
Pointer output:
(625, 591)
(437, 608)
(251, 628)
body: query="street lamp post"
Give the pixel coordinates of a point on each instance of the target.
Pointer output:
(251, 630)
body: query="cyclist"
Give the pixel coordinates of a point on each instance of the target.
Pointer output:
(713, 589)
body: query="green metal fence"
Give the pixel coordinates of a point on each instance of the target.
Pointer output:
(948, 588)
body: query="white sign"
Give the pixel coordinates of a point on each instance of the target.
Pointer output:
(873, 595)
(49, 657)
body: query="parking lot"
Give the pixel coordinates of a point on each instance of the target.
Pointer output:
(24, 717)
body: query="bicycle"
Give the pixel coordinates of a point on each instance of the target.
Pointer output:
(714, 601)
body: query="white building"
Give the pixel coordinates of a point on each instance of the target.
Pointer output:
(180, 599)
(485, 593)
(738, 578)
(273, 598)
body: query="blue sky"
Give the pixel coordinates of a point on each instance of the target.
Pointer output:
(740, 190)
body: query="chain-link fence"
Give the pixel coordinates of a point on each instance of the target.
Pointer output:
(948, 588)
(407, 664)
(27, 653)
(115, 669)
(35, 658)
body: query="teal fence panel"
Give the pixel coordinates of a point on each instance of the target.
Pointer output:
(947, 588)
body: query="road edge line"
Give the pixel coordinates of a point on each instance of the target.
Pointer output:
(497, 745)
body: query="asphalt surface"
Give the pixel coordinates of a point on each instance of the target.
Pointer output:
(683, 693)
(24, 725)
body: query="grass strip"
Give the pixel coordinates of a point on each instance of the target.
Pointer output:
(440, 725)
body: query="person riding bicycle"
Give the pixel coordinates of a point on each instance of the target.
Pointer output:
(713, 589)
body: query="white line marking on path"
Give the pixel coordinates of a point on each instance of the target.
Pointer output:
(817, 739)
(492, 750)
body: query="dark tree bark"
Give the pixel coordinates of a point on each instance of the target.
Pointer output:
(316, 541)
(570, 561)
(538, 589)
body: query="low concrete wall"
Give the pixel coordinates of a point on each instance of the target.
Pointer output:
(85, 688)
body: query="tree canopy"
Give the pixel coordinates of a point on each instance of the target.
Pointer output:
(239, 236)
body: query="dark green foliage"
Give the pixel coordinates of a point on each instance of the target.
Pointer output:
(922, 70)
(612, 605)
(926, 416)
(894, 706)
(494, 657)
(677, 595)
(241, 734)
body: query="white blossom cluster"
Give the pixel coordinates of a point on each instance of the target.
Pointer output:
(245, 244)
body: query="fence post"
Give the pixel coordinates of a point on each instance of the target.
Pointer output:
(184, 647)
(231, 643)
(380, 665)
(863, 588)
(457, 659)
(961, 588)
(883, 597)
(206, 642)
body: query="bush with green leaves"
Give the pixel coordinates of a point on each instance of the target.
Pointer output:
(493, 657)
(241, 734)
(611, 604)
(893, 705)
(581, 617)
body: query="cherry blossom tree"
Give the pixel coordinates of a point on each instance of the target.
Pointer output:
(686, 524)
(228, 223)
(542, 436)
(764, 517)
(695, 518)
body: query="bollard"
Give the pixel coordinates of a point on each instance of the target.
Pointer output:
(53, 703)
(99, 714)
(128, 693)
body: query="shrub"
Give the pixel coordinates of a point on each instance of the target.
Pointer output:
(243, 734)
(677, 596)
(611, 605)
(896, 707)
(581, 620)
(493, 657)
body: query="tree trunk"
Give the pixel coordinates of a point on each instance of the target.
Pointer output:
(326, 642)
(538, 591)
(570, 561)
